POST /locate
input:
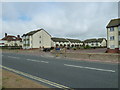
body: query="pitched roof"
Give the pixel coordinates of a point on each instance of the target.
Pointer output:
(113, 23)
(94, 40)
(90, 40)
(100, 39)
(74, 40)
(11, 38)
(31, 33)
(59, 39)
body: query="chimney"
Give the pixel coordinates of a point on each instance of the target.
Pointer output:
(18, 36)
(5, 34)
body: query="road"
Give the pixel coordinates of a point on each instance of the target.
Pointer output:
(56, 72)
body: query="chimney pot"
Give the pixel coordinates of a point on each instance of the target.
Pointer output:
(18, 36)
(5, 34)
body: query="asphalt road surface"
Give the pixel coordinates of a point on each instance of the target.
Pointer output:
(64, 73)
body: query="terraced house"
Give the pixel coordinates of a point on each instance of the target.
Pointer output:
(75, 42)
(10, 40)
(100, 42)
(113, 36)
(36, 39)
(63, 42)
(59, 42)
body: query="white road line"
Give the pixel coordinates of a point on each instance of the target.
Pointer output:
(14, 57)
(32, 60)
(44, 61)
(36, 61)
(90, 68)
(37, 78)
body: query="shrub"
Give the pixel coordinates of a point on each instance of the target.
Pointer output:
(87, 47)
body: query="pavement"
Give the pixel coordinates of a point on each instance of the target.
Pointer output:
(62, 73)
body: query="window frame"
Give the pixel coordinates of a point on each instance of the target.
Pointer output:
(112, 38)
(111, 29)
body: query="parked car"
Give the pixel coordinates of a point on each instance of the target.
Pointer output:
(46, 49)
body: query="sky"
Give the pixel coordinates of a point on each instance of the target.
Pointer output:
(79, 20)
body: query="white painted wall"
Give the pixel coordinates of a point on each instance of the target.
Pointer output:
(111, 43)
(10, 43)
(97, 44)
(103, 43)
(37, 40)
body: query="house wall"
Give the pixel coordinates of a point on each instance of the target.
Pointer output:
(112, 44)
(66, 43)
(10, 43)
(59, 43)
(104, 43)
(37, 40)
(41, 39)
(97, 44)
(26, 42)
(2, 43)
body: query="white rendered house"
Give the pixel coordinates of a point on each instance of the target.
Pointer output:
(113, 35)
(36, 39)
(10, 40)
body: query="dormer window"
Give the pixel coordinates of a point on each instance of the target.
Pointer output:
(111, 29)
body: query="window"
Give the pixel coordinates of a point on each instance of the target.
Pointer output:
(40, 42)
(112, 46)
(92, 44)
(112, 29)
(111, 37)
(40, 36)
(96, 44)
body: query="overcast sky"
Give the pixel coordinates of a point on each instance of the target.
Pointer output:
(80, 20)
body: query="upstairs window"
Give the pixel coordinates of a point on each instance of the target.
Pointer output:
(112, 38)
(112, 29)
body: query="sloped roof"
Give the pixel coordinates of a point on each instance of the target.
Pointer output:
(113, 23)
(94, 40)
(11, 38)
(74, 40)
(100, 39)
(90, 40)
(31, 33)
(59, 39)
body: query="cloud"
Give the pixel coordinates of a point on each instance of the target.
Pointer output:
(61, 19)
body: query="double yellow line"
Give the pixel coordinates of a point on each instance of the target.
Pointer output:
(38, 79)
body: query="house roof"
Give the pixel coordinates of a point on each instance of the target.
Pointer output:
(94, 40)
(11, 38)
(113, 23)
(90, 40)
(31, 33)
(59, 39)
(74, 40)
(100, 39)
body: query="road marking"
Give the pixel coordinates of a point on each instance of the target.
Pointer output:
(14, 57)
(32, 60)
(44, 61)
(37, 78)
(89, 68)
(37, 61)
